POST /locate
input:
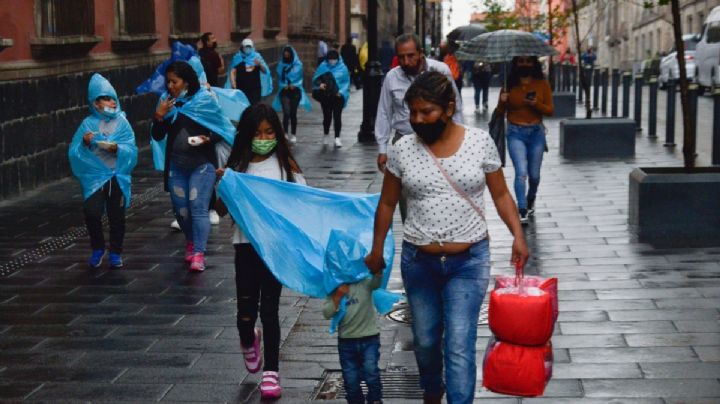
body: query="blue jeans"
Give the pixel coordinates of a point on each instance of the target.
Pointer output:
(526, 145)
(445, 293)
(190, 191)
(359, 361)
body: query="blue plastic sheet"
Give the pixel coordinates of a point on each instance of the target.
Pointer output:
(156, 82)
(293, 73)
(202, 108)
(232, 102)
(341, 74)
(86, 166)
(313, 244)
(249, 60)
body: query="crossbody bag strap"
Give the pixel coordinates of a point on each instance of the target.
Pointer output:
(452, 183)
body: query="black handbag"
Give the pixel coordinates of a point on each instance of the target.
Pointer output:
(331, 88)
(497, 133)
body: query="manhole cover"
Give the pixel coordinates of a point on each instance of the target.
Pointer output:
(402, 315)
(395, 385)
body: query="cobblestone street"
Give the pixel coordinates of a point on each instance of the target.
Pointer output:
(638, 323)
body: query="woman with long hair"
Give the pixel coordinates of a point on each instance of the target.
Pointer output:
(527, 99)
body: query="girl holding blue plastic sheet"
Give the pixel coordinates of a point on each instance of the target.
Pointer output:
(331, 87)
(102, 156)
(291, 94)
(260, 149)
(190, 122)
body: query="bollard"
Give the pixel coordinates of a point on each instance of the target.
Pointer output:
(614, 92)
(580, 93)
(638, 101)
(652, 107)
(574, 75)
(605, 77)
(716, 127)
(596, 88)
(670, 112)
(626, 80)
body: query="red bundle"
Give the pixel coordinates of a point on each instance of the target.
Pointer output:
(517, 370)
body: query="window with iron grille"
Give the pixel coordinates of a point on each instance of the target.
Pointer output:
(186, 16)
(243, 15)
(272, 14)
(67, 17)
(136, 17)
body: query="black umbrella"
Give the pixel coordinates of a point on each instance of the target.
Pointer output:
(466, 32)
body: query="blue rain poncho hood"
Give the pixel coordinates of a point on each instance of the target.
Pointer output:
(86, 166)
(202, 108)
(232, 102)
(291, 73)
(249, 60)
(314, 244)
(340, 73)
(156, 82)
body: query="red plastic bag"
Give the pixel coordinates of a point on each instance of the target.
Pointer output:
(523, 310)
(517, 370)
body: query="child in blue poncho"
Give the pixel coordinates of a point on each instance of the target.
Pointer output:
(331, 87)
(102, 156)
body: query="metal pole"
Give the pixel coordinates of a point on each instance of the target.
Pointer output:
(615, 93)
(584, 75)
(596, 88)
(401, 17)
(574, 75)
(638, 101)
(652, 108)
(693, 94)
(373, 78)
(604, 98)
(716, 127)
(670, 112)
(627, 81)
(566, 77)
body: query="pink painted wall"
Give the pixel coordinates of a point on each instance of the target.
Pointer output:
(17, 22)
(162, 25)
(104, 25)
(216, 17)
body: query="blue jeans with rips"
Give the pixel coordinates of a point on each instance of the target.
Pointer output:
(445, 293)
(190, 191)
(526, 145)
(359, 361)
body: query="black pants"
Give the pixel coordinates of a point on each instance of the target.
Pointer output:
(108, 199)
(253, 95)
(257, 287)
(290, 99)
(332, 111)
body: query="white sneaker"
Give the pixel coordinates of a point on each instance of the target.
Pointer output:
(175, 225)
(293, 139)
(338, 142)
(326, 140)
(214, 217)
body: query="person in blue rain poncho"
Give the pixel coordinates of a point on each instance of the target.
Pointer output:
(102, 155)
(291, 94)
(331, 87)
(190, 121)
(250, 73)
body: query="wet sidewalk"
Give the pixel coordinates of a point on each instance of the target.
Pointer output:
(638, 324)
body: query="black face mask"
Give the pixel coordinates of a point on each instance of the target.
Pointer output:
(429, 132)
(524, 71)
(287, 60)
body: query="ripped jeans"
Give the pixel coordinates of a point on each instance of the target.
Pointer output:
(190, 191)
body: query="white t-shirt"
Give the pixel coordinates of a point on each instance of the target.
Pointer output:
(435, 210)
(268, 168)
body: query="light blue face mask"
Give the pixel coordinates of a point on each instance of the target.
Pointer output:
(332, 62)
(182, 94)
(109, 112)
(247, 50)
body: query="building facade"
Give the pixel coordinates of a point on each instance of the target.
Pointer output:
(50, 48)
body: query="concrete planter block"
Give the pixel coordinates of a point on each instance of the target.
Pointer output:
(597, 138)
(564, 105)
(675, 205)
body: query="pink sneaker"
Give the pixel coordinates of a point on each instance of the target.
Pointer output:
(251, 355)
(189, 246)
(197, 263)
(270, 386)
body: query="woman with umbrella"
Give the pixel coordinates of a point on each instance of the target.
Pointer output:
(527, 99)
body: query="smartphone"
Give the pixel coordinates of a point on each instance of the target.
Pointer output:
(530, 95)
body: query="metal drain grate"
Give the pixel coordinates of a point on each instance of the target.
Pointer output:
(53, 244)
(402, 314)
(396, 385)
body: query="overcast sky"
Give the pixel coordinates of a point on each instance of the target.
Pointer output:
(461, 11)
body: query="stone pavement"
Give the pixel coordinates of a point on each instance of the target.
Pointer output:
(638, 323)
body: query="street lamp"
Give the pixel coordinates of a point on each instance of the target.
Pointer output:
(372, 79)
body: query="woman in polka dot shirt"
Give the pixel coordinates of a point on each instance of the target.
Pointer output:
(443, 171)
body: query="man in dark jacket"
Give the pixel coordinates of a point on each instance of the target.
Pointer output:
(350, 57)
(211, 60)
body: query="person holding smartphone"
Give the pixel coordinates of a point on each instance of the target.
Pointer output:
(526, 100)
